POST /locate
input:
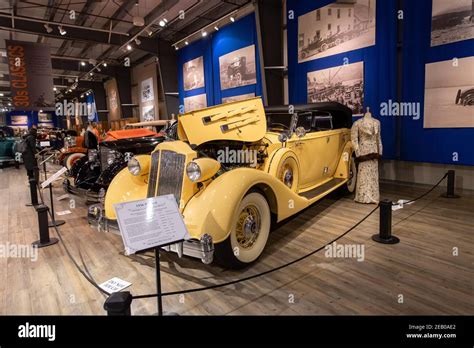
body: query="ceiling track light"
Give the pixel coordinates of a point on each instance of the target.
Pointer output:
(129, 47)
(163, 22)
(149, 32)
(186, 42)
(204, 33)
(83, 63)
(232, 19)
(104, 64)
(48, 28)
(137, 41)
(62, 31)
(216, 28)
(176, 47)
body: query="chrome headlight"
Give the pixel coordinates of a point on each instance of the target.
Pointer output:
(134, 166)
(193, 171)
(92, 155)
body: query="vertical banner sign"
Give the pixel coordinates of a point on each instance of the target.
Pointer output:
(31, 77)
(92, 115)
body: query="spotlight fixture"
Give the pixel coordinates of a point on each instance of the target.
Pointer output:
(1, 94)
(55, 89)
(216, 28)
(9, 104)
(82, 95)
(48, 28)
(92, 61)
(204, 33)
(69, 90)
(163, 22)
(41, 111)
(129, 47)
(98, 69)
(62, 31)
(176, 47)
(83, 63)
(104, 64)
(186, 42)
(137, 41)
(232, 19)
(149, 32)
(91, 73)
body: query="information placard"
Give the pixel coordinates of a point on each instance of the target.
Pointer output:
(150, 223)
(54, 177)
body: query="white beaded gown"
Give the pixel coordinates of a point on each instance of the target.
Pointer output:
(365, 136)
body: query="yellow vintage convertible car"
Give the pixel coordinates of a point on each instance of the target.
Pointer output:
(237, 168)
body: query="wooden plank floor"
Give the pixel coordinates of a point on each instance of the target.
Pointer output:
(421, 268)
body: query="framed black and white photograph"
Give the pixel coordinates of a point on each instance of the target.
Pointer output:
(449, 94)
(44, 117)
(193, 74)
(451, 21)
(147, 93)
(343, 84)
(237, 98)
(238, 68)
(148, 113)
(336, 28)
(195, 102)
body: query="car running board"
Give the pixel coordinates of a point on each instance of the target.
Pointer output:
(328, 186)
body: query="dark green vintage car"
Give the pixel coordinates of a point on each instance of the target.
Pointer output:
(8, 144)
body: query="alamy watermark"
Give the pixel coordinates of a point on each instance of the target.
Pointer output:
(407, 109)
(27, 251)
(231, 156)
(348, 251)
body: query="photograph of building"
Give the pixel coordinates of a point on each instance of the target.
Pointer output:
(336, 28)
(343, 84)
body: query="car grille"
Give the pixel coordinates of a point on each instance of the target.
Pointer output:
(166, 174)
(104, 154)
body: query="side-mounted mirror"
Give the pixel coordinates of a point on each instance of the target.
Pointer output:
(300, 132)
(282, 138)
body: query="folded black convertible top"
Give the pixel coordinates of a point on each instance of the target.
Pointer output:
(341, 114)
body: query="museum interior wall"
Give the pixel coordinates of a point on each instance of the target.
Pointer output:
(145, 90)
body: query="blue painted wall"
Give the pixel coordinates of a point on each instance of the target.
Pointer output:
(229, 38)
(435, 145)
(379, 63)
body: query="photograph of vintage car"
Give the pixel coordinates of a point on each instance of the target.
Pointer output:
(339, 27)
(296, 158)
(8, 143)
(94, 172)
(449, 94)
(238, 68)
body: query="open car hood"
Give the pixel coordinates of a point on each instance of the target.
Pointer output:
(239, 121)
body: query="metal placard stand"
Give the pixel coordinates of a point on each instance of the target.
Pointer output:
(53, 222)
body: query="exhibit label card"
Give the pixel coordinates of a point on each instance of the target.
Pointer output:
(150, 223)
(53, 177)
(114, 285)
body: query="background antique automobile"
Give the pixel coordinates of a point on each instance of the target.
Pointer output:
(300, 155)
(73, 149)
(8, 147)
(95, 171)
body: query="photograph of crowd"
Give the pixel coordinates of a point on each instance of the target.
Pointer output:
(343, 84)
(238, 68)
(451, 21)
(336, 28)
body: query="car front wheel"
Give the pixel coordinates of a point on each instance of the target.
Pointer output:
(249, 233)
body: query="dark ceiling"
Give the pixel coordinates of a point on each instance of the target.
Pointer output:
(99, 32)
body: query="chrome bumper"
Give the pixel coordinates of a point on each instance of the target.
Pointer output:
(201, 249)
(90, 196)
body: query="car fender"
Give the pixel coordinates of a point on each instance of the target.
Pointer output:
(212, 209)
(126, 187)
(275, 158)
(343, 167)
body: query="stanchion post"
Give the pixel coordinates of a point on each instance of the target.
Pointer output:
(450, 185)
(44, 240)
(158, 281)
(119, 303)
(385, 227)
(33, 193)
(53, 221)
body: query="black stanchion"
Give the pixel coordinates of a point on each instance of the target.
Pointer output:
(385, 233)
(158, 281)
(33, 193)
(44, 240)
(450, 185)
(53, 221)
(118, 304)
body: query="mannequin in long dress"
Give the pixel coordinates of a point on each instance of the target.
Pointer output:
(367, 142)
